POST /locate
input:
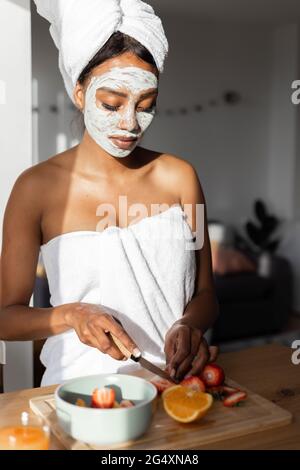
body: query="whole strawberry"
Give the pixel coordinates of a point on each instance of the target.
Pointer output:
(195, 383)
(213, 375)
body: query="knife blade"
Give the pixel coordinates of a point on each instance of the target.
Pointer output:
(152, 368)
(141, 360)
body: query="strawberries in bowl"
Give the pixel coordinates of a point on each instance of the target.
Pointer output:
(106, 398)
(103, 398)
(100, 424)
(126, 404)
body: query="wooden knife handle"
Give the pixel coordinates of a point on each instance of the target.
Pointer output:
(120, 345)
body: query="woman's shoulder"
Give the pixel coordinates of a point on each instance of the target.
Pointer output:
(168, 162)
(34, 185)
(178, 174)
(41, 173)
(178, 166)
(173, 169)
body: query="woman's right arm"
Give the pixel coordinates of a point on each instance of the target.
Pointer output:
(19, 258)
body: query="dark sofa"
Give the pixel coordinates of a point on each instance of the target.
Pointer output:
(251, 305)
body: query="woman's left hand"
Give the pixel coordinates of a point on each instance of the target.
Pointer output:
(187, 351)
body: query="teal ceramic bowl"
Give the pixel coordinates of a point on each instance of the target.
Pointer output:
(105, 426)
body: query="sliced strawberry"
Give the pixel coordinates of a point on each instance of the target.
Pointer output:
(222, 391)
(218, 389)
(229, 390)
(195, 383)
(212, 375)
(234, 398)
(161, 384)
(126, 404)
(103, 398)
(216, 392)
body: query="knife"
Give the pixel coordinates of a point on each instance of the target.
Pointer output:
(141, 360)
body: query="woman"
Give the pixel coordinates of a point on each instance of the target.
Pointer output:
(109, 271)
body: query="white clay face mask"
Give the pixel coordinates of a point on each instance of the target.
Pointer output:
(126, 122)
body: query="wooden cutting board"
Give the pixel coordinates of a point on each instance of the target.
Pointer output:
(220, 423)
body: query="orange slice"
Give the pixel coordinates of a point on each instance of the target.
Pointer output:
(80, 402)
(185, 404)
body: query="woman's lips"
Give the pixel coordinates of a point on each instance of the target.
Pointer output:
(124, 143)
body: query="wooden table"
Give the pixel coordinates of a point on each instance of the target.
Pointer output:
(266, 370)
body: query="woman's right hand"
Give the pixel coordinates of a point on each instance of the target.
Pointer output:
(92, 324)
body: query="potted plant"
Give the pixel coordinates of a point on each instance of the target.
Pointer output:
(261, 234)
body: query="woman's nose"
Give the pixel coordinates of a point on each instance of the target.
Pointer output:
(129, 120)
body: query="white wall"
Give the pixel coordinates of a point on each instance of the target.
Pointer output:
(283, 122)
(55, 127)
(227, 145)
(284, 152)
(15, 142)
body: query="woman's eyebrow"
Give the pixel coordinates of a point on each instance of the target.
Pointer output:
(149, 93)
(124, 95)
(115, 92)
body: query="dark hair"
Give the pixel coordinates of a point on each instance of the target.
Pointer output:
(118, 44)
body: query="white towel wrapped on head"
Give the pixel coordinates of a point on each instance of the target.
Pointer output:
(80, 28)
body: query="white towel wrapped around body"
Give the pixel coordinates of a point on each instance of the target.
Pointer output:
(80, 28)
(143, 274)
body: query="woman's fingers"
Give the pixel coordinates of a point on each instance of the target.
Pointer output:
(109, 324)
(91, 324)
(182, 349)
(186, 364)
(105, 344)
(170, 342)
(213, 351)
(200, 359)
(170, 348)
(196, 361)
